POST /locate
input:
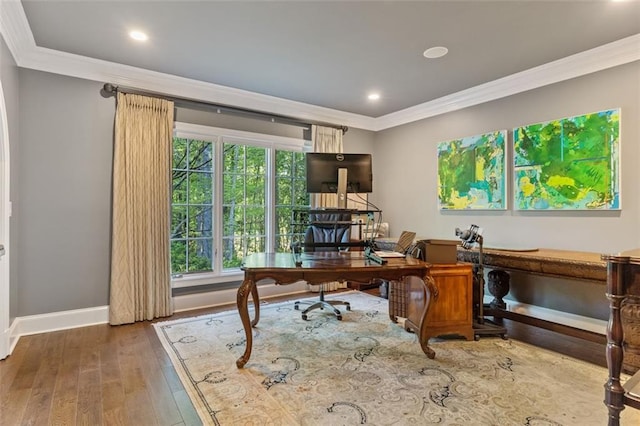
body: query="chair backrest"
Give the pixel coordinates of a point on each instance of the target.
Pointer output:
(405, 241)
(327, 228)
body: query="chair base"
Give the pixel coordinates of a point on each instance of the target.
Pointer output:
(323, 304)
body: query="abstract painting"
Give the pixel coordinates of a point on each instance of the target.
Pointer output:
(471, 173)
(568, 164)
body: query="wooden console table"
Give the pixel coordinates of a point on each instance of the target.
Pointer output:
(320, 267)
(577, 265)
(566, 264)
(623, 332)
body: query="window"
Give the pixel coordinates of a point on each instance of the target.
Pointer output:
(234, 193)
(192, 206)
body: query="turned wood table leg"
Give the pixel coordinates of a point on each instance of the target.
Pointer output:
(247, 286)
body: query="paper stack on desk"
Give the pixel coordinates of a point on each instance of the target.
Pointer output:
(389, 254)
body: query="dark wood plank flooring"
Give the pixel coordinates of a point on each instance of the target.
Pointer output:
(104, 375)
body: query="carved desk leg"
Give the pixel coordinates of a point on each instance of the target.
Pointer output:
(247, 286)
(256, 305)
(614, 392)
(431, 291)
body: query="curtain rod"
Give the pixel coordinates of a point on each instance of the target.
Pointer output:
(109, 90)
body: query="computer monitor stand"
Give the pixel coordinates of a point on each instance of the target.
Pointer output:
(342, 188)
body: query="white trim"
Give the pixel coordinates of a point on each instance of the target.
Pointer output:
(229, 296)
(192, 280)
(5, 215)
(63, 320)
(13, 337)
(19, 38)
(197, 131)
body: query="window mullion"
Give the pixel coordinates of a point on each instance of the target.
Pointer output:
(270, 198)
(217, 204)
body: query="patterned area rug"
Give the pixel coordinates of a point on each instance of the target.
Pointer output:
(367, 370)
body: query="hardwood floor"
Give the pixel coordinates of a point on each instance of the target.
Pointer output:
(104, 375)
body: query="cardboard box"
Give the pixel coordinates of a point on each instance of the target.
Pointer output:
(439, 251)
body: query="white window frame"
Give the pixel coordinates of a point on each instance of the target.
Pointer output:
(219, 136)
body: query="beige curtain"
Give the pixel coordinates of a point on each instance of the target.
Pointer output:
(326, 139)
(140, 272)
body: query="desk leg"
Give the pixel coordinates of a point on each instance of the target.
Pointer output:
(256, 305)
(247, 286)
(431, 292)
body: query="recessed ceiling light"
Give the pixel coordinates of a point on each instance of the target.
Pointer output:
(435, 52)
(138, 35)
(373, 96)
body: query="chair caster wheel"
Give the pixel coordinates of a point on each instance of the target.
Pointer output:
(339, 317)
(296, 307)
(348, 308)
(304, 317)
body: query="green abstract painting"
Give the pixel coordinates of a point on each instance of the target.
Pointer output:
(568, 164)
(471, 173)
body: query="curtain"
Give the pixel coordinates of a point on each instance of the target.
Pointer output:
(326, 139)
(141, 208)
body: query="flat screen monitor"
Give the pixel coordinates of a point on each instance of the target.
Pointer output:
(339, 174)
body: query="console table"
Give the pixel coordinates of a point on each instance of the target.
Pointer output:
(565, 264)
(623, 332)
(577, 265)
(319, 267)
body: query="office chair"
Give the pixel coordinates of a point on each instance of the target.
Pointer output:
(326, 231)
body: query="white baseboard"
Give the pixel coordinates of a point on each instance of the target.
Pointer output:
(572, 320)
(63, 320)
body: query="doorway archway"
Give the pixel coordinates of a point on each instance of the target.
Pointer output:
(5, 212)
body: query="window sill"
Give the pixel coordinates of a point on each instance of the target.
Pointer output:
(206, 279)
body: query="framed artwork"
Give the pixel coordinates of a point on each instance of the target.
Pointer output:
(471, 173)
(568, 164)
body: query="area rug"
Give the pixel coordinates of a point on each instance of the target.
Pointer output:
(367, 370)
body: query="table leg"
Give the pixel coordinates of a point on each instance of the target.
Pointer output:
(256, 305)
(247, 286)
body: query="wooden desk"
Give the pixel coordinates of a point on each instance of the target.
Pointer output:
(623, 292)
(453, 311)
(321, 267)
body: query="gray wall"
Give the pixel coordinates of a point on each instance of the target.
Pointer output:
(405, 164)
(9, 77)
(64, 181)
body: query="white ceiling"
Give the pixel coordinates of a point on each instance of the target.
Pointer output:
(319, 59)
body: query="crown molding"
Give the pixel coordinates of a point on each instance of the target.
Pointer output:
(610, 55)
(14, 27)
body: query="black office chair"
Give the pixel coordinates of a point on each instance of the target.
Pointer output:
(326, 231)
